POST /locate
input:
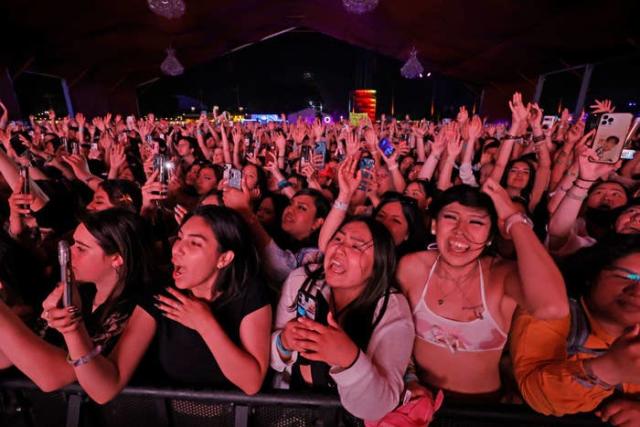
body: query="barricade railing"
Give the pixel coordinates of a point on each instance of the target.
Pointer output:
(22, 404)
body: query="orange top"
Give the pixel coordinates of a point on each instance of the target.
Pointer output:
(551, 381)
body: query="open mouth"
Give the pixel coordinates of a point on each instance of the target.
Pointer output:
(458, 246)
(336, 266)
(178, 271)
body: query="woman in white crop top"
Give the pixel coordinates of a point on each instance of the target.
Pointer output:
(463, 299)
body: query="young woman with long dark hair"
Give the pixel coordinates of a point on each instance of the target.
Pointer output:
(343, 325)
(217, 310)
(110, 251)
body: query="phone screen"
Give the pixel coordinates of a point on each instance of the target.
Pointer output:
(321, 149)
(235, 178)
(628, 154)
(386, 147)
(366, 166)
(306, 306)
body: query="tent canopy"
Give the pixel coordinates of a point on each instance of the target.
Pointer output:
(122, 41)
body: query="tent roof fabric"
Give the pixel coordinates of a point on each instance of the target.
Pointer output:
(483, 41)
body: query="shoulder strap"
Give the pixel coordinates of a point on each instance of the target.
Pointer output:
(579, 330)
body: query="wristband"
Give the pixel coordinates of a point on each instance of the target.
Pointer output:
(283, 184)
(341, 206)
(86, 358)
(283, 351)
(539, 139)
(516, 218)
(393, 167)
(575, 184)
(587, 180)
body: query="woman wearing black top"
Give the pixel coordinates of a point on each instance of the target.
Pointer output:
(213, 329)
(109, 251)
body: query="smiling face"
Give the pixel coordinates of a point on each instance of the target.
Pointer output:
(100, 201)
(299, 218)
(348, 261)
(462, 233)
(393, 218)
(616, 294)
(195, 256)
(89, 262)
(518, 175)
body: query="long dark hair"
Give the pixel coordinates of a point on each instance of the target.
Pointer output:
(232, 234)
(418, 236)
(322, 210)
(357, 319)
(123, 193)
(581, 270)
(525, 193)
(120, 231)
(470, 197)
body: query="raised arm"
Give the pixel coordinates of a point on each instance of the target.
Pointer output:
(563, 219)
(536, 284)
(437, 148)
(519, 115)
(348, 181)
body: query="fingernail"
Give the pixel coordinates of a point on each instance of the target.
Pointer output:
(72, 309)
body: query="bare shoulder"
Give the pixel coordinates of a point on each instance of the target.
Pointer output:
(413, 269)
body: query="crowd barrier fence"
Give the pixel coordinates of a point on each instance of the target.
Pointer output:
(22, 404)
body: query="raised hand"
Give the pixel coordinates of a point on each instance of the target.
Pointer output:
(463, 115)
(593, 171)
(474, 129)
(501, 199)
(535, 116)
(519, 111)
(604, 106)
(348, 176)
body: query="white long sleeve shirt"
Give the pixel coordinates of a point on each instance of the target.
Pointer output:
(372, 386)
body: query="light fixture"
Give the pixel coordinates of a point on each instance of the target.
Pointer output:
(171, 66)
(170, 9)
(360, 6)
(412, 69)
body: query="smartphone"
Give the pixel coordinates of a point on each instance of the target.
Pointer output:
(386, 147)
(321, 149)
(611, 136)
(65, 143)
(24, 174)
(366, 166)
(64, 259)
(94, 146)
(235, 178)
(269, 157)
(628, 154)
(549, 121)
(306, 154)
(75, 148)
(306, 305)
(225, 171)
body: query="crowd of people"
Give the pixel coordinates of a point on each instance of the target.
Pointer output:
(390, 263)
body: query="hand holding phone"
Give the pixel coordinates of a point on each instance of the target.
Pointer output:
(64, 259)
(611, 136)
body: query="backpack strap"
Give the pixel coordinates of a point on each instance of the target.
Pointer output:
(579, 331)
